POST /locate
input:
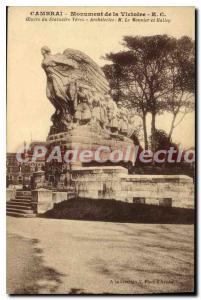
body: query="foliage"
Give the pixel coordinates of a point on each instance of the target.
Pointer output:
(155, 74)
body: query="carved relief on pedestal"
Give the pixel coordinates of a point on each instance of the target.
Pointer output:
(79, 91)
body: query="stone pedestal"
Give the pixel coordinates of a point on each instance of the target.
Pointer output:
(58, 197)
(86, 137)
(158, 190)
(42, 200)
(98, 182)
(39, 179)
(10, 193)
(114, 183)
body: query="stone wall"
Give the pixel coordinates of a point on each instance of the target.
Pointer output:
(10, 193)
(157, 189)
(58, 197)
(97, 182)
(115, 183)
(44, 199)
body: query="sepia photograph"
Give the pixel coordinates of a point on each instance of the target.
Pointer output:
(100, 155)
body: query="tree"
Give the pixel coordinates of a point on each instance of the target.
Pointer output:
(153, 76)
(163, 142)
(145, 67)
(150, 71)
(115, 77)
(180, 99)
(126, 88)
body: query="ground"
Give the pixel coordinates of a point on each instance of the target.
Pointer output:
(70, 256)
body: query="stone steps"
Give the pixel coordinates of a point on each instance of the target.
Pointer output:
(23, 193)
(23, 197)
(21, 206)
(19, 202)
(20, 210)
(20, 215)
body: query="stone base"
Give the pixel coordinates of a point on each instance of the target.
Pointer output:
(39, 179)
(84, 138)
(58, 197)
(115, 183)
(44, 199)
(10, 194)
(79, 139)
(158, 189)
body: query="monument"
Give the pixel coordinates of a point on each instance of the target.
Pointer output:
(85, 113)
(87, 117)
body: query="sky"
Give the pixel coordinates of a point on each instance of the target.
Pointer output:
(28, 109)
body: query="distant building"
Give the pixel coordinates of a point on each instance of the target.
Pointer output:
(20, 173)
(13, 171)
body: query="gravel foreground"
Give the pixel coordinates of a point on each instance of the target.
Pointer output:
(49, 256)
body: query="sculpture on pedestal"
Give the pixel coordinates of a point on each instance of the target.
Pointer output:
(74, 81)
(79, 91)
(85, 114)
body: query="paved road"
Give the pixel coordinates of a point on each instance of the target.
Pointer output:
(64, 256)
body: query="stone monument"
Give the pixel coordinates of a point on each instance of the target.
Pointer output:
(87, 117)
(85, 113)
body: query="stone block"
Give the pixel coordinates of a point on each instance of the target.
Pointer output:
(10, 193)
(115, 183)
(39, 179)
(42, 200)
(58, 197)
